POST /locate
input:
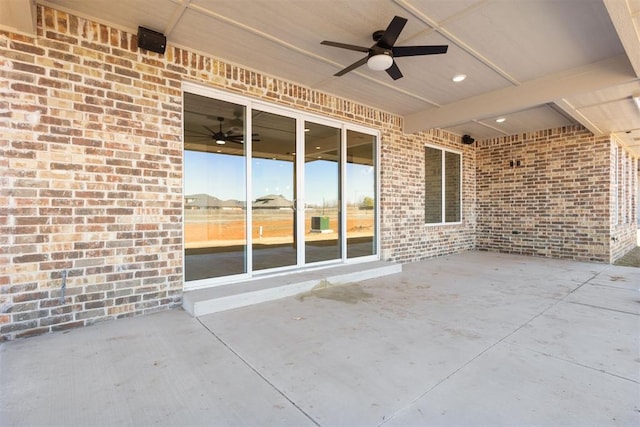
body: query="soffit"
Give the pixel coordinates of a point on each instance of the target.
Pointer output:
(501, 46)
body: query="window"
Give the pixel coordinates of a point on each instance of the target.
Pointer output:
(443, 186)
(616, 184)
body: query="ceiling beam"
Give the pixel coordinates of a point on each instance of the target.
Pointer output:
(439, 27)
(19, 16)
(568, 108)
(623, 21)
(543, 90)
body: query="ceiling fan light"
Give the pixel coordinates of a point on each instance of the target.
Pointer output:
(220, 141)
(380, 62)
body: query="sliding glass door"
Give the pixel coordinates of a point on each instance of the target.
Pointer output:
(273, 188)
(269, 189)
(360, 194)
(321, 192)
(215, 180)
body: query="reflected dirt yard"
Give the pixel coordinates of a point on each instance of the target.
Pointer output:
(215, 241)
(215, 228)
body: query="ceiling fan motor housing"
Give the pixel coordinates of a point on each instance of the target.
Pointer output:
(377, 35)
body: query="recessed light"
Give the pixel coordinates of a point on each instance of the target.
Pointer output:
(318, 147)
(500, 120)
(458, 78)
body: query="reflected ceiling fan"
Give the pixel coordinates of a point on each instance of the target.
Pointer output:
(222, 138)
(381, 55)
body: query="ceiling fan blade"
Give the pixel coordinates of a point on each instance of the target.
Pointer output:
(212, 132)
(238, 135)
(400, 51)
(193, 133)
(392, 32)
(345, 46)
(394, 71)
(352, 67)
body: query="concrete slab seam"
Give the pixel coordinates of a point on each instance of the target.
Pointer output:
(582, 284)
(573, 362)
(503, 339)
(601, 308)
(254, 369)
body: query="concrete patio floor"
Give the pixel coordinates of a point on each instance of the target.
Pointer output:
(470, 339)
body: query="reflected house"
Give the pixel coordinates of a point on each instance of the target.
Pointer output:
(207, 202)
(272, 201)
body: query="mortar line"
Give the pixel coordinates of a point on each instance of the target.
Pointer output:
(250, 366)
(487, 349)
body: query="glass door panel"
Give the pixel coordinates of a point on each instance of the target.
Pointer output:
(273, 191)
(321, 192)
(215, 188)
(360, 189)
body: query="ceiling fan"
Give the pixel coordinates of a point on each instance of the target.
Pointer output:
(222, 138)
(381, 55)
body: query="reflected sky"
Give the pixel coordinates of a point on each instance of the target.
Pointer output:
(222, 176)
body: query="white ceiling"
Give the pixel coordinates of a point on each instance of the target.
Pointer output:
(538, 63)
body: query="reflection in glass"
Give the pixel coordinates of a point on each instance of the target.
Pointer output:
(452, 187)
(214, 187)
(321, 190)
(360, 194)
(273, 169)
(433, 185)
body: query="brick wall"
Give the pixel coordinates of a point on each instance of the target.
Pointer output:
(93, 189)
(623, 203)
(404, 233)
(555, 203)
(91, 192)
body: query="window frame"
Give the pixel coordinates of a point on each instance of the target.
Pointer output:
(443, 193)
